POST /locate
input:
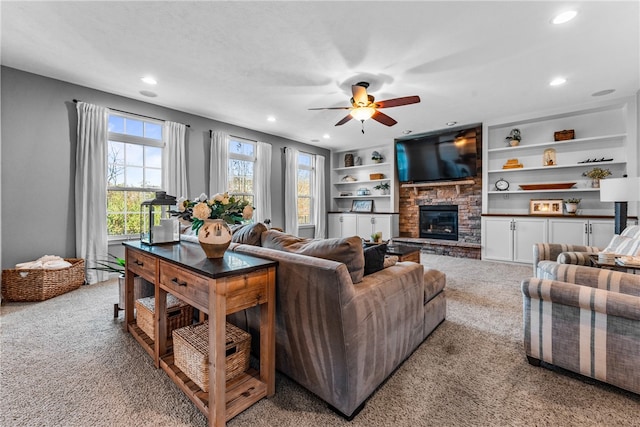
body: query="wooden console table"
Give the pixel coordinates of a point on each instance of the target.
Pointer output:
(216, 287)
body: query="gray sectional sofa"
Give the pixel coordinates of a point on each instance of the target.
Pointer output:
(340, 339)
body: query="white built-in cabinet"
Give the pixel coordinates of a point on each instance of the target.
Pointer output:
(363, 225)
(605, 130)
(512, 239)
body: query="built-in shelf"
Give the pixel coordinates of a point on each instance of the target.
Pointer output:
(573, 165)
(367, 166)
(557, 143)
(457, 184)
(369, 196)
(364, 181)
(564, 190)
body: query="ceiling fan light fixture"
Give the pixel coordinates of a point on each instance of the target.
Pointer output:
(362, 113)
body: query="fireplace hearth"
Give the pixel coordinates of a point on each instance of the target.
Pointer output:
(439, 222)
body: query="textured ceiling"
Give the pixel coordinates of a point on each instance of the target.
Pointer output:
(239, 62)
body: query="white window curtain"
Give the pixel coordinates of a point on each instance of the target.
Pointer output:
(291, 191)
(174, 166)
(91, 188)
(219, 163)
(262, 182)
(318, 194)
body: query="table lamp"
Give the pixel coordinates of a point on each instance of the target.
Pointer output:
(620, 191)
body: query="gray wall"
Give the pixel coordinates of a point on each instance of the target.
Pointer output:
(39, 121)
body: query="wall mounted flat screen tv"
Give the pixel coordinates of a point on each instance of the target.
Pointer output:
(450, 154)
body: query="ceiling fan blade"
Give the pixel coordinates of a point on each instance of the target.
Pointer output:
(396, 102)
(345, 120)
(331, 108)
(360, 97)
(383, 118)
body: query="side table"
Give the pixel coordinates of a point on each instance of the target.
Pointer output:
(404, 252)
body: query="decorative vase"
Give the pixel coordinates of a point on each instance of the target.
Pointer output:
(595, 183)
(214, 237)
(348, 160)
(571, 208)
(514, 142)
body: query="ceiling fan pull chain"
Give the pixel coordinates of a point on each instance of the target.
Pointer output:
(362, 121)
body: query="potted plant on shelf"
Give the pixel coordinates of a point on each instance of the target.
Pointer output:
(376, 157)
(514, 137)
(571, 205)
(596, 174)
(383, 187)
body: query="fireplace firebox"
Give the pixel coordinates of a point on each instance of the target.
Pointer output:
(439, 222)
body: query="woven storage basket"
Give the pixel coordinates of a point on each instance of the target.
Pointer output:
(191, 352)
(179, 314)
(376, 175)
(41, 284)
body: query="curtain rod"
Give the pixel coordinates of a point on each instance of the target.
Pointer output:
(234, 136)
(133, 114)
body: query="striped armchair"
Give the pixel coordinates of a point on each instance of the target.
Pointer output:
(586, 320)
(568, 254)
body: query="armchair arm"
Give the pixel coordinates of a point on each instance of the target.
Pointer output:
(598, 300)
(615, 281)
(550, 251)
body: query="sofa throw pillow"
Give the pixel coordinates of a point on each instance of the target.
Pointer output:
(622, 245)
(390, 260)
(632, 232)
(374, 258)
(249, 234)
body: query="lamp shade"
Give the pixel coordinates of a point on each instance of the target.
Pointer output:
(620, 190)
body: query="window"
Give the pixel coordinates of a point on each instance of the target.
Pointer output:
(134, 171)
(305, 184)
(242, 158)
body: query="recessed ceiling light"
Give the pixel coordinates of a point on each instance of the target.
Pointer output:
(603, 92)
(451, 123)
(326, 136)
(271, 119)
(564, 17)
(149, 80)
(557, 81)
(407, 132)
(148, 93)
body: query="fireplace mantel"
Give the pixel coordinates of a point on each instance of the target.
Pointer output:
(457, 184)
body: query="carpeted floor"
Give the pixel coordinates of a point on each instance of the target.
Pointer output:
(67, 362)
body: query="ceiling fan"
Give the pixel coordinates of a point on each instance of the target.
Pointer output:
(363, 106)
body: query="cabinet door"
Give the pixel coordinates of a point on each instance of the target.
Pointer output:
(526, 233)
(569, 231)
(497, 239)
(349, 225)
(334, 224)
(383, 223)
(600, 232)
(365, 226)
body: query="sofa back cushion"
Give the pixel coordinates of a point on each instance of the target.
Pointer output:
(345, 250)
(249, 234)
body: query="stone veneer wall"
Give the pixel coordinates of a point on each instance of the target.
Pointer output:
(469, 203)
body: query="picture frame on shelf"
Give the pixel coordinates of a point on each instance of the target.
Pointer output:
(363, 206)
(545, 207)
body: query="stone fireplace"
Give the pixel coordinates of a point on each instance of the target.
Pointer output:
(439, 222)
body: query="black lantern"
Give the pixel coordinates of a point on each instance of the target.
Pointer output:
(157, 224)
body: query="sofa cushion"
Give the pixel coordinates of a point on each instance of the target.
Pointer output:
(249, 234)
(632, 232)
(390, 260)
(345, 250)
(374, 258)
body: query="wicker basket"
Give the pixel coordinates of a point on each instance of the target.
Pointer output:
(179, 314)
(42, 284)
(373, 176)
(564, 135)
(191, 352)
